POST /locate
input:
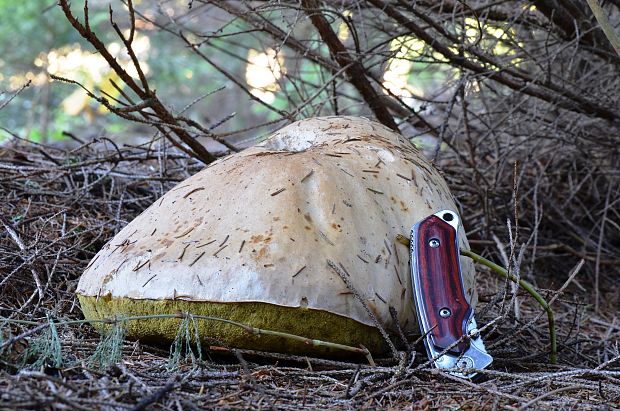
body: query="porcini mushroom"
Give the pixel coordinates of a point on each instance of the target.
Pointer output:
(249, 239)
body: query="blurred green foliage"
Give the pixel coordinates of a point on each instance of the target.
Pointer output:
(32, 31)
(27, 30)
(36, 40)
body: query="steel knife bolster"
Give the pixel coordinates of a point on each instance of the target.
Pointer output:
(445, 316)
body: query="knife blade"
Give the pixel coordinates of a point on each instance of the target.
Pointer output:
(444, 313)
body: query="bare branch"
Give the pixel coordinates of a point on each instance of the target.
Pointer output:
(144, 93)
(353, 67)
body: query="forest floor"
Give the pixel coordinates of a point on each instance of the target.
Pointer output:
(60, 206)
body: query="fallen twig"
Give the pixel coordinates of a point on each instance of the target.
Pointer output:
(529, 288)
(250, 329)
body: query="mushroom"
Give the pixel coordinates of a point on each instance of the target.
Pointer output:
(255, 238)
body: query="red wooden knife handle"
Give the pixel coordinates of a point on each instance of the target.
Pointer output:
(447, 308)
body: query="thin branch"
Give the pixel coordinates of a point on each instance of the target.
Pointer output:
(248, 328)
(16, 238)
(529, 288)
(355, 69)
(608, 29)
(364, 304)
(549, 92)
(196, 149)
(524, 284)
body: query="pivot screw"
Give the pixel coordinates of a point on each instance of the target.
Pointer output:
(465, 362)
(434, 242)
(445, 312)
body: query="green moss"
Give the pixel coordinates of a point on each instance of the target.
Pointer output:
(315, 324)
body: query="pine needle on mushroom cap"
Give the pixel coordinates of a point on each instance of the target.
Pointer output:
(248, 238)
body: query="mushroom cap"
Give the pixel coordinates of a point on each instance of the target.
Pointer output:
(256, 229)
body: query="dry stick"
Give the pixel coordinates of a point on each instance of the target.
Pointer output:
(13, 234)
(391, 101)
(553, 357)
(444, 125)
(599, 246)
(608, 29)
(248, 328)
(171, 384)
(23, 335)
(508, 77)
(127, 115)
(8, 100)
(355, 71)
(552, 393)
(197, 150)
(302, 359)
(607, 363)
(507, 262)
(259, 21)
(130, 52)
(401, 334)
(359, 298)
(454, 344)
(158, 125)
(577, 27)
(571, 276)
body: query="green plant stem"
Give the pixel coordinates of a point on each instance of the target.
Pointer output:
(553, 358)
(248, 328)
(602, 19)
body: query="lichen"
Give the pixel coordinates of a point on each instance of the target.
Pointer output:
(310, 323)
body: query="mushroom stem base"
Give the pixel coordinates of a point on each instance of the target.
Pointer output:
(310, 323)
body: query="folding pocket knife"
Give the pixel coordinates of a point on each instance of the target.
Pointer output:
(444, 313)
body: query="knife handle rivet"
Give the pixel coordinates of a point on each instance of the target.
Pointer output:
(434, 242)
(448, 217)
(445, 312)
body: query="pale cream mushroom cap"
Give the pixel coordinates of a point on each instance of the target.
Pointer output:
(258, 228)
